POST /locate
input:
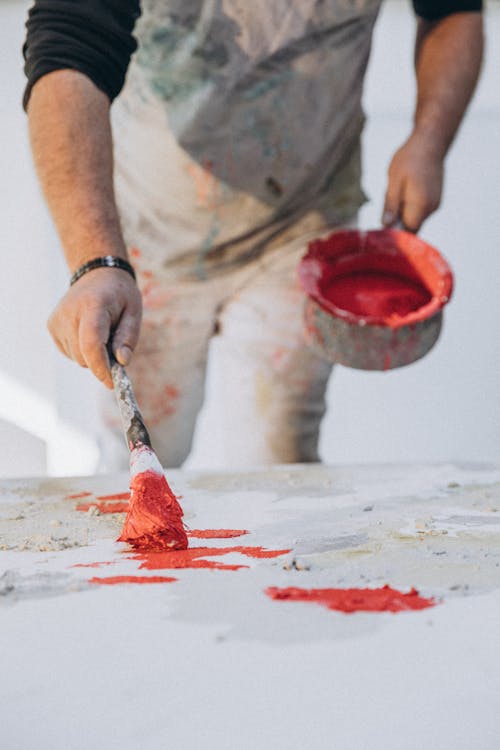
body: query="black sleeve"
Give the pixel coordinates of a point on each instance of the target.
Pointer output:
(91, 36)
(431, 10)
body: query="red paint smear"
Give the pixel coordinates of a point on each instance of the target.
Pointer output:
(112, 580)
(383, 599)
(104, 507)
(77, 495)
(118, 496)
(92, 565)
(380, 295)
(154, 519)
(195, 557)
(216, 533)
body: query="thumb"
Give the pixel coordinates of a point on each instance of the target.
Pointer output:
(126, 335)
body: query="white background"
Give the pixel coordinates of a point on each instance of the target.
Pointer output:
(446, 407)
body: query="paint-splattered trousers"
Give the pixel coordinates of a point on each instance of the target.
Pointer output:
(274, 385)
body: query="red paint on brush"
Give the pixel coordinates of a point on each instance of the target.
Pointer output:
(104, 507)
(195, 557)
(78, 495)
(385, 296)
(118, 496)
(154, 519)
(112, 580)
(216, 533)
(385, 599)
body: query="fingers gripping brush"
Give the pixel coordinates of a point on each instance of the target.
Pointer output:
(154, 518)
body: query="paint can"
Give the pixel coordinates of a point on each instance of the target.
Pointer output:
(374, 299)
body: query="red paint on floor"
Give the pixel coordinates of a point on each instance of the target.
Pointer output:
(385, 599)
(195, 557)
(112, 580)
(104, 507)
(93, 564)
(216, 533)
(117, 496)
(78, 495)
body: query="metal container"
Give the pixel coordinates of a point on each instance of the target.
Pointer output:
(364, 341)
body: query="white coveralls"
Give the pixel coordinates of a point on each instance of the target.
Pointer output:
(236, 142)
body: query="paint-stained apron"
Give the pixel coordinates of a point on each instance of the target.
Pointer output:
(238, 121)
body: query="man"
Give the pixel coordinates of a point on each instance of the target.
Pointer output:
(236, 141)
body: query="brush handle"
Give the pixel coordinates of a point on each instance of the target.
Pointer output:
(134, 428)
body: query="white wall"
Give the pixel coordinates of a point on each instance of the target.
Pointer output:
(445, 407)
(46, 402)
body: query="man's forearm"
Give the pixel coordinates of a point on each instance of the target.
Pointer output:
(448, 56)
(72, 149)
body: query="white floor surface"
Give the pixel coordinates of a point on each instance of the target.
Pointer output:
(209, 661)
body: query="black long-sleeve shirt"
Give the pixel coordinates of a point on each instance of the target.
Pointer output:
(95, 37)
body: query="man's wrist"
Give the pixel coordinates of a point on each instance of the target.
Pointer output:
(430, 140)
(105, 261)
(82, 250)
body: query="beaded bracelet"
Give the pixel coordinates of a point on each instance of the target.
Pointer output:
(107, 261)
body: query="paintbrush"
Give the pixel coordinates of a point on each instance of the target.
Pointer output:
(154, 519)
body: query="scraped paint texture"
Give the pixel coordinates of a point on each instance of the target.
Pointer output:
(195, 557)
(381, 295)
(385, 599)
(154, 518)
(113, 580)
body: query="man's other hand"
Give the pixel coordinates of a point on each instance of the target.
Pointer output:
(415, 184)
(103, 302)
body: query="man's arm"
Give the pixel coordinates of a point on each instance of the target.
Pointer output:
(72, 76)
(448, 54)
(71, 144)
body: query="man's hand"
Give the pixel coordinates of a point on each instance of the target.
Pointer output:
(102, 303)
(415, 184)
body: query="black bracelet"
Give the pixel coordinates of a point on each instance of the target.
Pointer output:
(107, 261)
